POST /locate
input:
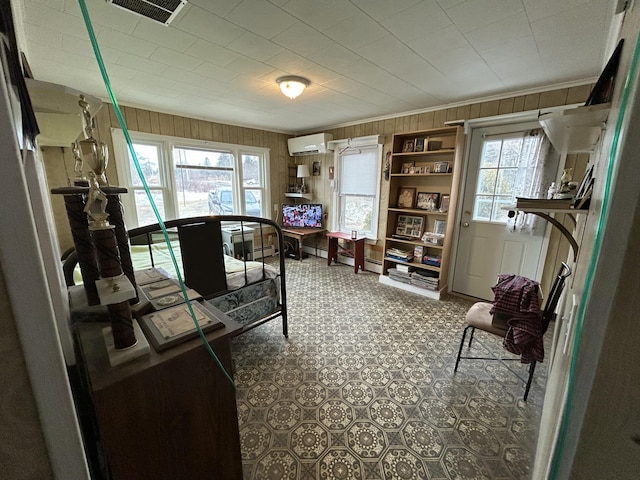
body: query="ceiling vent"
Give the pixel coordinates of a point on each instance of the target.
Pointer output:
(163, 11)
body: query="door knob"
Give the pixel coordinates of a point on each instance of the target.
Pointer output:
(465, 224)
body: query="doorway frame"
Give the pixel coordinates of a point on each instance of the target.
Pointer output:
(486, 122)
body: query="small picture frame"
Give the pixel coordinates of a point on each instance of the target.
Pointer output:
(419, 145)
(441, 167)
(410, 226)
(407, 146)
(440, 227)
(583, 194)
(426, 169)
(316, 169)
(444, 203)
(407, 166)
(406, 197)
(433, 145)
(428, 201)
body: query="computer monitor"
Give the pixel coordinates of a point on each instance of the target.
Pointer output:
(305, 215)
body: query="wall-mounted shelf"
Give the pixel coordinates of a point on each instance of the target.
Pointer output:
(577, 129)
(308, 196)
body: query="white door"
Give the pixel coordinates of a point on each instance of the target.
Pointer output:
(486, 247)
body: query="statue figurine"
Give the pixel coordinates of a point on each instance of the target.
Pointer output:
(565, 179)
(96, 205)
(94, 152)
(79, 178)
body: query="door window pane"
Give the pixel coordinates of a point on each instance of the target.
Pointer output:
(506, 167)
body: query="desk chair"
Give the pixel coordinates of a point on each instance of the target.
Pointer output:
(479, 316)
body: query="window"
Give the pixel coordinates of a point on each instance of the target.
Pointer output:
(507, 168)
(189, 178)
(356, 202)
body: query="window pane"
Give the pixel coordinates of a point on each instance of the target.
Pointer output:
(253, 203)
(506, 181)
(251, 171)
(511, 150)
(149, 160)
(199, 157)
(482, 207)
(490, 154)
(357, 213)
(146, 216)
(498, 214)
(486, 181)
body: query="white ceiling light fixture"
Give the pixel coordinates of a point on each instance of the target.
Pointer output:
(292, 86)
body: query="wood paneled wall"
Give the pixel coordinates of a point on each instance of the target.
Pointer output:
(558, 248)
(59, 161)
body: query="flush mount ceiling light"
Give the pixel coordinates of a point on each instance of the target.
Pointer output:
(292, 86)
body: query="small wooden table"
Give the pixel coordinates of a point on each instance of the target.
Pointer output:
(301, 233)
(356, 250)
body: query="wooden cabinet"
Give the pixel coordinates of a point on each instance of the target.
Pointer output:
(167, 415)
(424, 175)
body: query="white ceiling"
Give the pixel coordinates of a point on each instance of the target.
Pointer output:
(365, 58)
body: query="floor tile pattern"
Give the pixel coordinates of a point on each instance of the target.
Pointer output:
(364, 388)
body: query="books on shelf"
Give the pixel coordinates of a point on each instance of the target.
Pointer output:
(433, 260)
(399, 276)
(550, 203)
(401, 255)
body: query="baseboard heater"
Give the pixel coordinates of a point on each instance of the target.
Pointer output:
(261, 252)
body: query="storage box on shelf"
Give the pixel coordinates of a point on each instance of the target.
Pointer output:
(423, 188)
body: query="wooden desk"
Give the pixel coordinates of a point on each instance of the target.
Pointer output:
(301, 233)
(356, 250)
(166, 415)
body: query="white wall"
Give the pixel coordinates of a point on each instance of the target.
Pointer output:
(602, 412)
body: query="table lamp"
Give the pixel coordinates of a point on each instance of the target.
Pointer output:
(303, 171)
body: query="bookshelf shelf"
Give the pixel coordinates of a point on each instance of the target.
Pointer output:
(432, 171)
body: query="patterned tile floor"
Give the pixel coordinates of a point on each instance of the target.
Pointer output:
(364, 388)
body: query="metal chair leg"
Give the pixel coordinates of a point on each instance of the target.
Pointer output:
(464, 334)
(473, 330)
(532, 369)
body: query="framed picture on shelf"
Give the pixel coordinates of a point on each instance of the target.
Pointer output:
(583, 194)
(419, 145)
(406, 197)
(440, 227)
(410, 226)
(427, 201)
(407, 146)
(407, 166)
(442, 167)
(444, 204)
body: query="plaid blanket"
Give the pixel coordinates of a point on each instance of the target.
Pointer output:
(518, 298)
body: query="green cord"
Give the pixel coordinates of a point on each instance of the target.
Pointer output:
(125, 131)
(557, 453)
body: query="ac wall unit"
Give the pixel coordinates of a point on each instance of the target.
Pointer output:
(162, 11)
(310, 144)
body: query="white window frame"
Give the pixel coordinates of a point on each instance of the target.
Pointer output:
(166, 145)
(341, 153)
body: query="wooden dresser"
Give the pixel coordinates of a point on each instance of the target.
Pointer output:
(166, 415)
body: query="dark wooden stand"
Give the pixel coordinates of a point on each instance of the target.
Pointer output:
(166, 415)
(301, 233)
(356, 250)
